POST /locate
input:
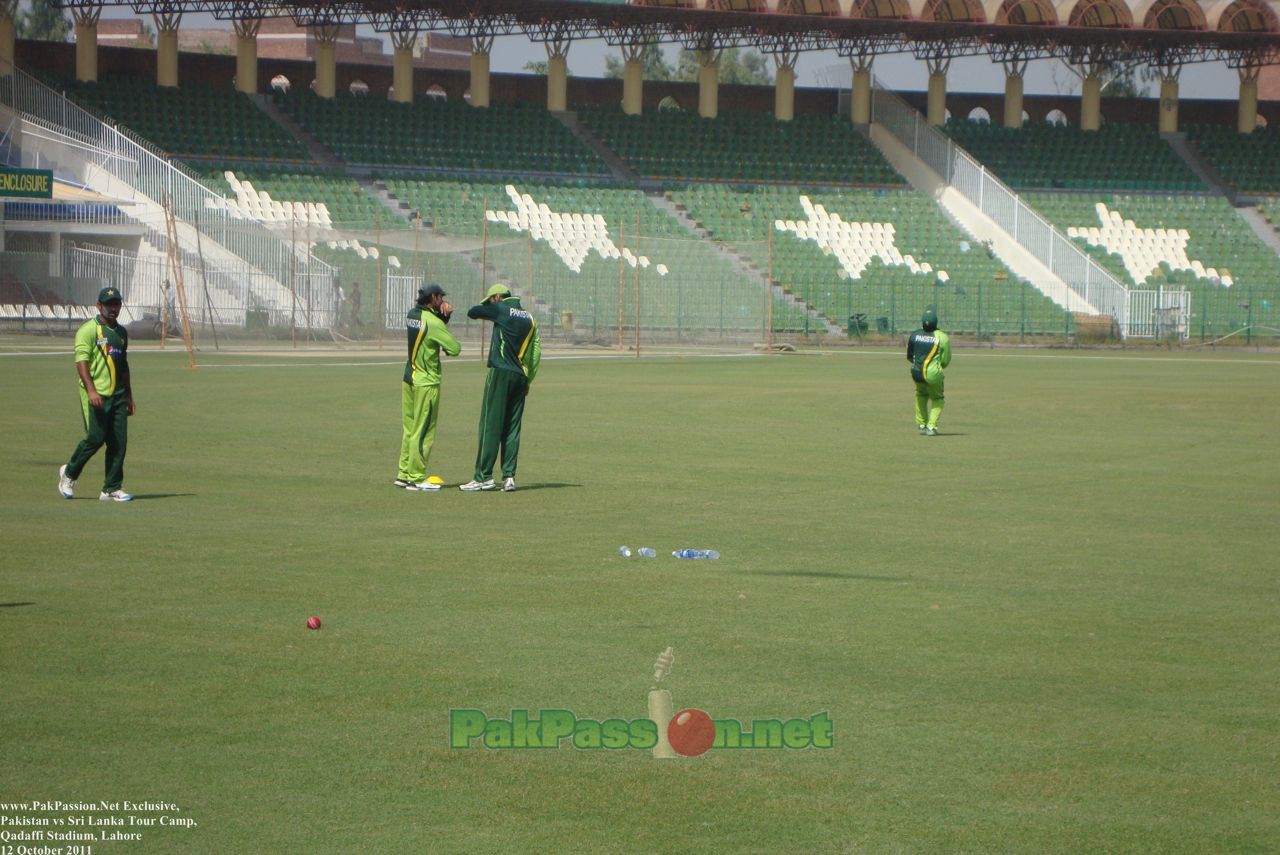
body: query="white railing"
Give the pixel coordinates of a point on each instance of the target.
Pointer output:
(1084, 276)
(216, 291)
(136, 163)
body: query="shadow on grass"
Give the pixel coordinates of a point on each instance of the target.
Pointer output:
(546, 485)
(142, 497)
(15, 605)
(830, 574)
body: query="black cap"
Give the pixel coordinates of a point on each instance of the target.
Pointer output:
(929, 320)
(109, 295)
(425, 294)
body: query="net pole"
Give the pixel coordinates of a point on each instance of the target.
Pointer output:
(293, 282)
(637, 285)
(622, 286)
(377, 240)
(210, 314)
(768, 294)
(484, 266)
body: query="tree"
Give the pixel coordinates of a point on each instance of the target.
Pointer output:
(542, 68)
(653, 62)
(748, 68)
(43, 21)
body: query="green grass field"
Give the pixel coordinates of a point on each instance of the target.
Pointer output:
(1052, 628)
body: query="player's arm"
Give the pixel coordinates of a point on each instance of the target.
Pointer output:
(533, 356)
(484, 311)
(441, 336)
(911, 348)
(82, 368)
(86, 341)
(946, 349)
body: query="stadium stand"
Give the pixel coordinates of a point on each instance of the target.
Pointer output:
(1194, 242)
(1247, 162)
(740, 146)
(924, 259)
(193, 120)
(443, 135)
(1116, 157)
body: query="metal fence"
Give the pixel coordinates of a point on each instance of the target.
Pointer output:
(91, 152)
(1086, 279)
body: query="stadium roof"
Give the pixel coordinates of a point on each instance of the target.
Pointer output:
(771, 32)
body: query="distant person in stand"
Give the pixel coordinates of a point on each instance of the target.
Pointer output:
(425, 325)
(514, 354)
(106, 398)
(929, 352)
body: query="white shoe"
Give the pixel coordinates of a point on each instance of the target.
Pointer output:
(115, 496)
(930, 431)
(921, 428)
(475, 486)
(66, 486)
(424, 487)
(402, 483)
(508, 485)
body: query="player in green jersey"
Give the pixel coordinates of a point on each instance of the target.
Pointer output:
(106, 398)
(514, 354)
(929, 352)
(420, 393)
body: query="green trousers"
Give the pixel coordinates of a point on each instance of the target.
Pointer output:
(419, 413)
(929, 394)
(107, 426)
(500, 415)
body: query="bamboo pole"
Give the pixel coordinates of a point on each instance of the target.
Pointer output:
(622, 289)
(768, 294)
(637, 283)
(484, 267)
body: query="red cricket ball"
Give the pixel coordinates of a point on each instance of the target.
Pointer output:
(691, 732)
(313, 622)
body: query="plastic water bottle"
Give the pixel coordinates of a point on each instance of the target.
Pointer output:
(647, 552)
(696, 553)
(624, 551)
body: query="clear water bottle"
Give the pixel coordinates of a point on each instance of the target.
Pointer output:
(647, 552)
(624, 551)
(696, 553)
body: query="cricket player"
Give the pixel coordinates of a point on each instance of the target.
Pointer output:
(929, 352)
(106, 398)
(514, 354)
(420, 393)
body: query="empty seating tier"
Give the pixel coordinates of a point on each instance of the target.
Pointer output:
(1116, 157)
(883, 254)
(1247, 162)
(193, 120)
(1194, 242)
(443, 135)
(675, 145)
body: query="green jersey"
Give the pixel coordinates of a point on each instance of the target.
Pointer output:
(105, 348)
(515, 346)
(427, 336)
(928, 353)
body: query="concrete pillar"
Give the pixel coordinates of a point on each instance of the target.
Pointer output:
(167, 48)
(784, 89)
(326, 37)
(247, 54)
(708, 83)
(1169, 103)
(937, 98)
(558, 76)
(1013, 99)
(1247, 116)
(633, 79)
(86, 28)
(402, 65)
(8, 32)
(1091, 102)
(480, 48)
(860, 109)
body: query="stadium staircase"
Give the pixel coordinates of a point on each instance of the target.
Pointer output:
(1256, 218)
(1201, 167)
(744, 266)
(972, 221)
(319, 152)
(620, 170)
